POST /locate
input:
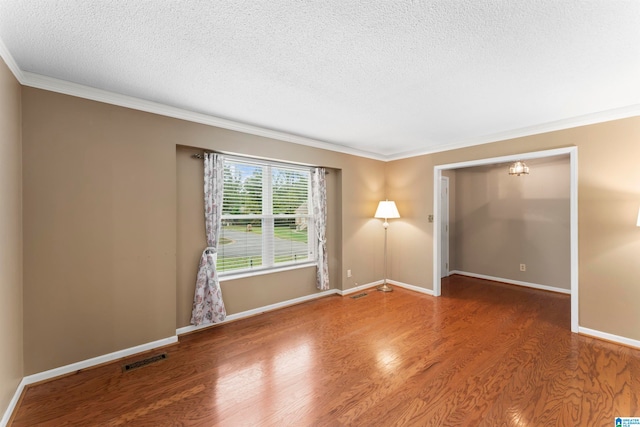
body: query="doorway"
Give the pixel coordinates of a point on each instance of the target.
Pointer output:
(437, 205)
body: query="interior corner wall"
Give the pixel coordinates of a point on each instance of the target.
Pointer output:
(101, 219)
(504, 221)
(608, 201)
(11, 336)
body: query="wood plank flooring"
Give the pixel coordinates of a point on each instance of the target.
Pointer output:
(484, 354)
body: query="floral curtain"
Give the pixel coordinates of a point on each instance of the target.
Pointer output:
(208, 306)
(319, 200)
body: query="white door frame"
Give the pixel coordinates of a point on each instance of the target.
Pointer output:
(445, 210)
(573, 214)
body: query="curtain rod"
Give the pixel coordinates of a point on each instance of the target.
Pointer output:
(201, 156)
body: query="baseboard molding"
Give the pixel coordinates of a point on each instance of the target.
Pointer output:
(46, 375)
(360, 288)
(513, 282)
(259, 310)
(411, 287)
(609, 337)
(581, 330)
(12, 404)
(84, 364)
(271, 307)
(63, 370)
(73, 367)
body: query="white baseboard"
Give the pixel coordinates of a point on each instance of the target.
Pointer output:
(513, 282)
(609, 337)
(12, 404)
(360, 288)
(84, 364)
(266, 308)
(259, 310)
(155, 344)
(149, 346)
(411, 287)
(581, 330)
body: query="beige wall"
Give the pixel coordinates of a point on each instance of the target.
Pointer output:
(609, 197)
(100, 229)
(111, 256)
(11, 350)
(504, 221)
(102, 216)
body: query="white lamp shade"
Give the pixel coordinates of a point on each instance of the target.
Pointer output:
(638, 222)
(387, 209)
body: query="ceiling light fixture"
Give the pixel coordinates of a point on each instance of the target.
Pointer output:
(518, 168)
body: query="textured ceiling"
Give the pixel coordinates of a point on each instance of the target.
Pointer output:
(385, 77)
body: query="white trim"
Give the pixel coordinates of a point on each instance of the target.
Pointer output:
(68, 88)
(282, 304)
(437, 243)
(411, 287)
(513, 282)
(110, 357)
(84, 364)
(12, 404)
(11, 63)
(52, 373)
(573, 232)
(259, 310)
(573, 214)
(261, 271)
(509, 158)
(609, 337)
(571, 122)
(448, 203)
(360, 288)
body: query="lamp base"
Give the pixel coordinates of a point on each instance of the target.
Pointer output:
(385, 287)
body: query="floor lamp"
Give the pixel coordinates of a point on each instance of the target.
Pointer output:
(386, 209)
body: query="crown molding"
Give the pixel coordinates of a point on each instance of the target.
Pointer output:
(11, 63)
(572, 122)
(68, 88)
(39, 81)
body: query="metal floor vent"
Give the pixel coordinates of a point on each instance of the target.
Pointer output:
(144, 362)
(364, 294)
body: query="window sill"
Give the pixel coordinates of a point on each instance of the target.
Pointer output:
(253, 273)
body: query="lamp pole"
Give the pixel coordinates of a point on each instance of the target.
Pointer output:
(385, 287)
(386, 209)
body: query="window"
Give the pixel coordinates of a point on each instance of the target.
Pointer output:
(266, 220)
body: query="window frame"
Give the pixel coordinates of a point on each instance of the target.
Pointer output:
(268, 218)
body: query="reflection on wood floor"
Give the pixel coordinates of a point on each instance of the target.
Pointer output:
(484, 354)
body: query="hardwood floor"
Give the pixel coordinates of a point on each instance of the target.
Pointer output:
(484, 354)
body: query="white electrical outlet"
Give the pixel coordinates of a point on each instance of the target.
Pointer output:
(348, 273)
(523, 267)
